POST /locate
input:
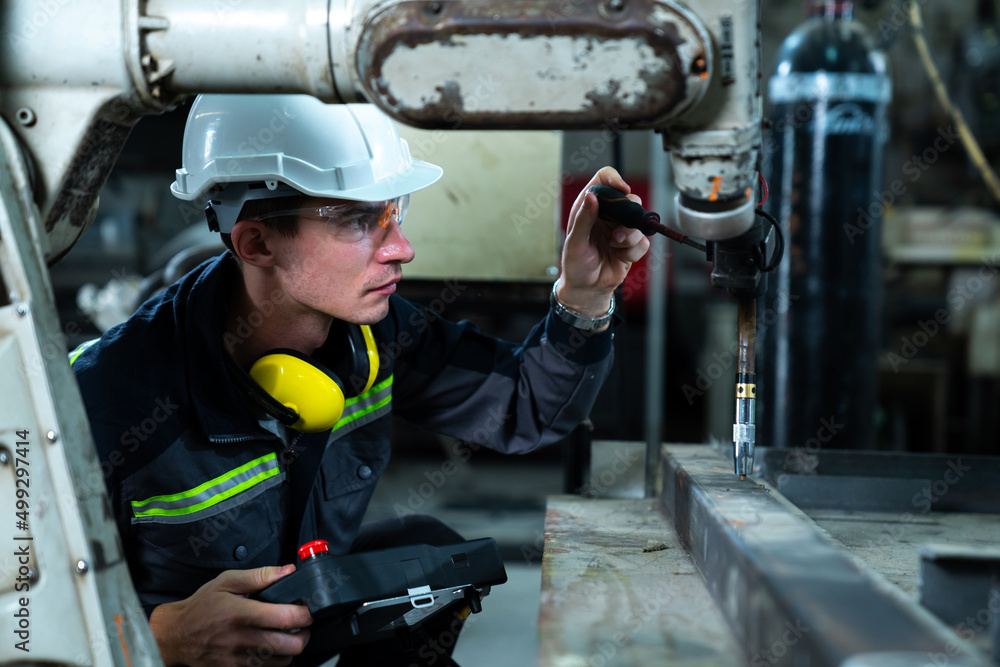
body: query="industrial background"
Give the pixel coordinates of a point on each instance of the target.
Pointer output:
(934, 396)
(899, 355)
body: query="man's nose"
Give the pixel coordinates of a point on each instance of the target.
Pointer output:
(394, 246)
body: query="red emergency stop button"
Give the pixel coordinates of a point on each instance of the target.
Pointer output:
(310, 549)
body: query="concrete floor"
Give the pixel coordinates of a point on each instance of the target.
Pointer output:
(506, 633)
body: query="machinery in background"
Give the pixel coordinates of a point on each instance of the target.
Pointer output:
(823, 160)
(740, 265)
(976, 77)
(940, 373)
(68, 105)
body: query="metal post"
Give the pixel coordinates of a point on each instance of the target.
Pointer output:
(662, 195)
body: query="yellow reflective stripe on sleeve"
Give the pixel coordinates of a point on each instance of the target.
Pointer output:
(211, 492)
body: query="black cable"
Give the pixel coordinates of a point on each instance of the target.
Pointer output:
(779, 251)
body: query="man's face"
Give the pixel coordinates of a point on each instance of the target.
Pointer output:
(345, 260)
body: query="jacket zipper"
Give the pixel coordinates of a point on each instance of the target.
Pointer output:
(288, 449)
(233, 440)
(290, 454)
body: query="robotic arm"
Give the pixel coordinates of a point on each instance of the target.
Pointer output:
(691, 75)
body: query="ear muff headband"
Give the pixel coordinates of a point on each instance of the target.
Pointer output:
(314, 394)
(372, 353)
(362, 366)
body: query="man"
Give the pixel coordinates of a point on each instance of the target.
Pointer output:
(212, 504)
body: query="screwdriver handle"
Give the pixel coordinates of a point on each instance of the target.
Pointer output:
(614, 206)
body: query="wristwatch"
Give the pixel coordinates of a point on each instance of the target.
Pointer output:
(579, 320)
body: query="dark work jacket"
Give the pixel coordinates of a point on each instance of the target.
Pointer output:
(199, 482)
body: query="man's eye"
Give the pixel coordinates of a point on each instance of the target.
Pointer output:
(354, 225)
(354, 222)
(368, 219)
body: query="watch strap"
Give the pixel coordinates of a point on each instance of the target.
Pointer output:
(579, 320)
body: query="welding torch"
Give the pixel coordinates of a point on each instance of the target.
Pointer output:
(740, 266)
(745, 427)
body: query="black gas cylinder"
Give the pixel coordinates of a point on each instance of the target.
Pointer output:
(822, 157)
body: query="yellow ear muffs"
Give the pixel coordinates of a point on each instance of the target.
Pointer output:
(315, 395)
(303, 394)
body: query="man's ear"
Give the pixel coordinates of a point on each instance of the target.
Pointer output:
(251, 242)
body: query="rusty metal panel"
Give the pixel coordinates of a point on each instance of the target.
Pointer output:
(538, 64)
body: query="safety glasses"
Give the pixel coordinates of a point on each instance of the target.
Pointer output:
(354, 221)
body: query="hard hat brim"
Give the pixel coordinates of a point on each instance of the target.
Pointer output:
(417, 176)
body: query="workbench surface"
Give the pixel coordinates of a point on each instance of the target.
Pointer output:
(606, 601)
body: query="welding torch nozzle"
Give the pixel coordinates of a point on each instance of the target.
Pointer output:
(745, 429)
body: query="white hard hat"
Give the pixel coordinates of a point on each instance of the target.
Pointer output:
(263, 146)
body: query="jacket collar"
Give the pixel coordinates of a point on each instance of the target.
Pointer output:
(223, 413)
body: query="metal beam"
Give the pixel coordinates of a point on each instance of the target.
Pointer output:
(792, 594)
(961, 586)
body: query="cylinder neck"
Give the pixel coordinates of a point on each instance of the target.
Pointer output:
(842, 10)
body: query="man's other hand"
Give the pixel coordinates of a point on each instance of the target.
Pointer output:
(220, 625)
(597, 254)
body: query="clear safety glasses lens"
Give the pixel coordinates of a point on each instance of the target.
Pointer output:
(354, 221)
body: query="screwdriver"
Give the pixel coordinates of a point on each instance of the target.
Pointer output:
(615, 207)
